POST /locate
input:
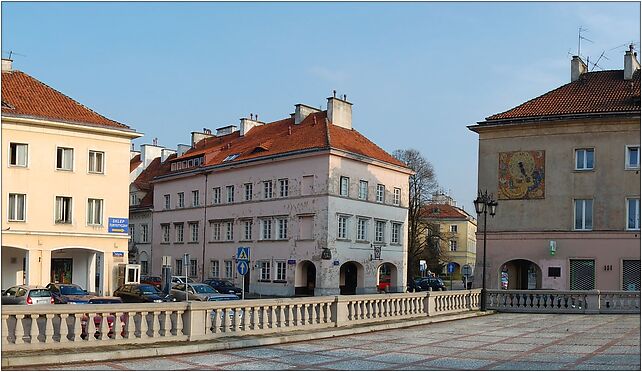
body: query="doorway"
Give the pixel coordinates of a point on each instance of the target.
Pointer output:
(61, 270)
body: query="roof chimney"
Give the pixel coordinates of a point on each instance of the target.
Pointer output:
(197, 137)
(248, 124)
(631, 63)
(340, 112)
(578, 67)
(302, 111)
(148, 153)
(165, 153)
(181, 149)
(225, 130)
(6, 64)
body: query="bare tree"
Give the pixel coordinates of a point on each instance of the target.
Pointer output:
(422, 184)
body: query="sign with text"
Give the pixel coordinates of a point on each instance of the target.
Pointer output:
(118, 225)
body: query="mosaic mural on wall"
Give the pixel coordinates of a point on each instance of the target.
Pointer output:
(521, 175)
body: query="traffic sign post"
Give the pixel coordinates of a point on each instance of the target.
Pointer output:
(466, 271)
(451, 269)
(243, 266)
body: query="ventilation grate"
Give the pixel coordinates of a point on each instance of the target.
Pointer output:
(582, 275)
(631, 275)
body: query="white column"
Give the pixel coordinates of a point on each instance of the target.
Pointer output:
(91, 272)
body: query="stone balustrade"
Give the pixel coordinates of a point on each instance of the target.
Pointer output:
(75, 326)
(552, 301)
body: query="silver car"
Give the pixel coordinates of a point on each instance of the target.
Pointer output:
(199, 292)
(27, 295)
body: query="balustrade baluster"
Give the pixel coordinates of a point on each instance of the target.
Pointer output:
(64, 328)
(215, 320)
(265, 322)
(179, 323)
(20, 331)
(104, 326)
(117, 327)
(49, 329)
(246, 315)
(255, 321)
(167, 325)
(5, 329)
(34, 331)
(130, 325)
(155, 331)
(237, 319)
(225, 319)
(144, 326)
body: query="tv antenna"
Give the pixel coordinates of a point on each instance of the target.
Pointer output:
(580, 38)
(12, 53)
(598, 60)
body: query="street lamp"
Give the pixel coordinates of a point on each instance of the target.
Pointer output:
(485, 204)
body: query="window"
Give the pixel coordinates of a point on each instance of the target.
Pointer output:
(582, 275)
(381, 192)
(344, 186)
(144, 267)
(179, 232)
(230, 193)
(181, 200)
(17, 207)
(228, 269)
(248, 191)
(396, 196)
(193, 229)
(64, 158)
(195, 198)
(216, 231)
(63, 209)
(266, 229)
(216, 195)
(165, 229)
(342, 231)
(363, 190)
(267, 189)
(144, 233)
(453, 245)
(453, 228)
(214, 269)
(264, 270)
(282, 228)
(280, 271)
(584, 159)
(167, 202)
(229, 231)
(633, 214)
(396, 233)
(18, 154)
(193, 268)
(96, 164)
(583, 214)
(362, 229)
(132, 233)
(95, 212)
(284, 188)
(179, 267)
(133, 199)
(380, 227)
(247, 228)
(630, 275)
(632, 157)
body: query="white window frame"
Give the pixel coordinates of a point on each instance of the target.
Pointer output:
(266, 233)
(133, 198)
(363, 190)
(13, 207)
(144, 233)
(168, 201)
(362, 229)
(342, 227)
(247, 230)
(229, 269)
(91, 212)
(180, 203)
(381, 193)
(627, 165)
(452, 245)
(453, 228)
(265, 271)
(215, 268)
(165, 228)
(637, 212)
(196, 198)
(229, 191)
(193, 268)
(132, 233)
(248, 191)
(57, 212)
(344, 186)
(396, 198)
(583, 227)
(380, 231)
(584, 166)
(26, 157)
(64, 157)
(92, 161)
(281, 271)
(268, 192)
(216, 195)
(284, 187)
(395, 236)
(229, 231)
(193, 232)
(216, 231)
(179, 267)
(179, 232)
(282, 228)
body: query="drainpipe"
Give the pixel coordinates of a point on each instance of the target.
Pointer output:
(204, 227)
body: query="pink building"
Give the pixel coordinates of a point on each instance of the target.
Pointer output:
(565, 167)
(322, 208)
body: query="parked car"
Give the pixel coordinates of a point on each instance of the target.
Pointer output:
(180, 279)
(224, 286)
(152, 280)
(98, 318)
(199, 292)
(141, 293)
(435, 284)
(68, 293)
(27, 295)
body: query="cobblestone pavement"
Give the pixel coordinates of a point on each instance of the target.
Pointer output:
(496, 342)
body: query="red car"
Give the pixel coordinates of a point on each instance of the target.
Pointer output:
(152, 280)
(98, 318)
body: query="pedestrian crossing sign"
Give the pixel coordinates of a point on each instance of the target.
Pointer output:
(243, 254)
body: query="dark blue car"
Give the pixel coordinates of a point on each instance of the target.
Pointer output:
(68, 293)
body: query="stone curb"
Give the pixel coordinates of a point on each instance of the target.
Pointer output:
(175, 348)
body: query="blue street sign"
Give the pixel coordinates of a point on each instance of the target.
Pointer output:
(243, 254)
(242, 267)
(451, 267)
(118, 225)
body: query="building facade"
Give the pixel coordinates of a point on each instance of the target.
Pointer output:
(322, 209)
(64, 179)
(565, 168)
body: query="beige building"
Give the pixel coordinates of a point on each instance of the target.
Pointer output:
(457, 230)
(64, 181)
(565, 168)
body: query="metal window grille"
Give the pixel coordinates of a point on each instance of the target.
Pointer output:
(631, 275)
(582, 275)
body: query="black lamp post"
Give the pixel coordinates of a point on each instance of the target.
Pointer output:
(485, 204)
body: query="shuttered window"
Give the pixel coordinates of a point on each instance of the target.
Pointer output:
(582, 275)
(631, 275)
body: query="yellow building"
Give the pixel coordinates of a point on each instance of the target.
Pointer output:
(457, 231)
(65, 187)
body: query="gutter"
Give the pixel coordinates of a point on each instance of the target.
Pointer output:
(549, 118)
(87, 127)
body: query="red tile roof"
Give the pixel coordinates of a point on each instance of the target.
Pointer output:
(284, 136)
(443, 211)
(22, 95)
(143, 181)
(134, 163)
(595, 92)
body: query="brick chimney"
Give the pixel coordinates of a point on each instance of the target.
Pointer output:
(578, 67)
(6, 64)
(631, 63)
(302, 111)
(340, 112)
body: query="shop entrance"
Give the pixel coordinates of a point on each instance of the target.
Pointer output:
(61, 270)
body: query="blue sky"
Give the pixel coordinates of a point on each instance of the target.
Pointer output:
(417, 73)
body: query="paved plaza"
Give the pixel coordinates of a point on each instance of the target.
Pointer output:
(495, 342)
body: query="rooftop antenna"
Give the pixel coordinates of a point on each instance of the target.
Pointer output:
(598, 60)
(580, 38)
(11, 53)
(155, 141)
(334, 93)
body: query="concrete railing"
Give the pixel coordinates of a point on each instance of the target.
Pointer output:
(71, 326)
(583, 302)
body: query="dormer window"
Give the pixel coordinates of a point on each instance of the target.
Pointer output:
(231, 157)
